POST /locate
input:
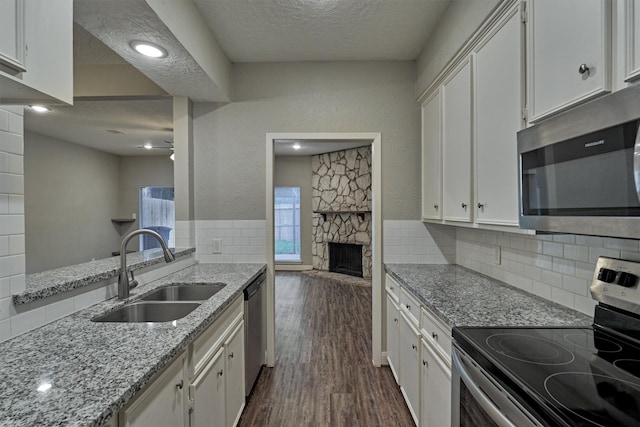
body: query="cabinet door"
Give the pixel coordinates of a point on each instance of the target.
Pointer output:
(162, 403)
(456, 144)
(632, 13)
(207, 392)
(12, 35)
(569, 53)
(432, 158)
(234, 360)
(410, 362)
(499, 93)
(393, 337)
(436, 389)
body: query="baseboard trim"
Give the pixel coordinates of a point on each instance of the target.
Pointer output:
(293, 267)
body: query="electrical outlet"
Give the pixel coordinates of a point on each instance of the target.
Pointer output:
(497, 255)
(217, 246)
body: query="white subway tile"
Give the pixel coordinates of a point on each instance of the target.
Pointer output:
(576, 253)
(5, 287)
(541, 290)
(12, 265)
(18, 283)
(15, 164)
(562, 297)
(4, 120)
(5, 330)
(16, 244)
(11, 143)
(585, 270)
(622, 244)
(551, 278)
(575, 285)
(552, 249)
(564, 266)
(5, 308)
(249, 232)
(4, 204)
(585, 305)
(533, 273)
(16, 123)
(594, 253)
(59, 309)
(564, 238)
(4, 162)
(4, 246)
(27, 321)
(11, 183)
(590, 241)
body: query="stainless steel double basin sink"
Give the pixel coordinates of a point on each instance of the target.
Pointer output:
(163, 304)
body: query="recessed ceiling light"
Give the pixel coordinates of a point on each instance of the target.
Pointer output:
(296, 146)
(148, 49)
(40, 108)
(148, 146)
(44, 387)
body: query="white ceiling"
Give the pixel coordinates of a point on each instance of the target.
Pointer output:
(321, 30)
(310, 147)
(248, 31)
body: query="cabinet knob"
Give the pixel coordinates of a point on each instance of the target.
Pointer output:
(435, 207)
(425, 363)
(583, 68)
(464, 206)
(231, 355)
(480, 205)
(434, 335)
(391, 287)
(408, 306)
(413, 346)
(220, 372)
(395, 320)
(180, 385)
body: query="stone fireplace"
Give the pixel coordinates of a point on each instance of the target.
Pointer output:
(341, 183)
(345, 258)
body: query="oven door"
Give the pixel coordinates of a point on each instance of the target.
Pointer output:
(479, 401)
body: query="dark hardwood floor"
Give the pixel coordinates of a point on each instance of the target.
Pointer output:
(323, 374)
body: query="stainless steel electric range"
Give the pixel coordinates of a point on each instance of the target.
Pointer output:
(556, 376)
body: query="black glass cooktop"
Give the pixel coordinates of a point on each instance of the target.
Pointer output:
(565, 376)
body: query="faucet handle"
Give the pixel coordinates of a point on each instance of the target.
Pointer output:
(133, 282)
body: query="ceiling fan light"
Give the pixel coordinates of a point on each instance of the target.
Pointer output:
(173, 157)
(148, 146)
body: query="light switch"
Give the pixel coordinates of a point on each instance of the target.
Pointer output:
(217, 246)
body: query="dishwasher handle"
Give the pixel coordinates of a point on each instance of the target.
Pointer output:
(255, 286)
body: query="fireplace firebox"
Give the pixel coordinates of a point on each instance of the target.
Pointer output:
(345, 258)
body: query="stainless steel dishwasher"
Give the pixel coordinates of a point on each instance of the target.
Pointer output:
(254, 342)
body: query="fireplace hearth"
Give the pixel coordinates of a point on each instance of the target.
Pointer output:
(345, 258)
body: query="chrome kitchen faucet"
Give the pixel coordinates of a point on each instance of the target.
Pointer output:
(123, 279)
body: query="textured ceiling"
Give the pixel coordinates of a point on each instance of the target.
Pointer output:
(321, 30)
(87, 50)
(87, 122)
(284, 147)
(118, 22)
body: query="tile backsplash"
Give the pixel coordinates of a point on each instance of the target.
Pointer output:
(412, 242)
(241, 241)
(12, 254)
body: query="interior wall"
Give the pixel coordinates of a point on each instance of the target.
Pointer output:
(295, 171)
(71, 192)
(229, 139)
(136, 172)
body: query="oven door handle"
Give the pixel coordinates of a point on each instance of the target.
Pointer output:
(485, 403)
(636, 163)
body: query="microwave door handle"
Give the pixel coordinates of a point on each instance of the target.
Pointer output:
(636, 163)
(485, 403)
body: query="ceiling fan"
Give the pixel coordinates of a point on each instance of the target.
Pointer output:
(150, 146)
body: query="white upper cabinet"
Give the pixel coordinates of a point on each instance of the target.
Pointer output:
(499, 102)
(12, 36)
(569, 53)
(456, 144)
(632, 36)
(36, 51)
(432, 157)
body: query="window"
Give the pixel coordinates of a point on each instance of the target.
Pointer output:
(287, 223)
(157, 213)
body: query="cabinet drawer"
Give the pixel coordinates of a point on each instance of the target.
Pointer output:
(393, 288)
(410, 306)
(206, 345)
(439, 334)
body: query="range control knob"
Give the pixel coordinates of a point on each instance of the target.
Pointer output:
(606, 275)
(626, 279)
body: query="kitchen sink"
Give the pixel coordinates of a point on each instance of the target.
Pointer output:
(148, 311)
(184, 292)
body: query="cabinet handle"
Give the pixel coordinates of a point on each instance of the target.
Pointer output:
(220, 372)
(434, 335)
(435, 207)
(583, 68)
(480, 205)
(395, 320)
(464, 206)
(408, 306)
(425, 363)
(413, 346)
(391, 287)
(180, 385)
(231, 355)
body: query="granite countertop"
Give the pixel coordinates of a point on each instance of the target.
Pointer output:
(462, 297)
(63, 279)
(93, 368)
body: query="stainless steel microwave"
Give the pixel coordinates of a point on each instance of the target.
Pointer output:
(579, 172)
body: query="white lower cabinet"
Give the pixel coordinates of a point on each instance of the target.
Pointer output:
(162, 403)
(207, 393)
(393, 337)
(435, 383)
(204, 386)
(410, 366)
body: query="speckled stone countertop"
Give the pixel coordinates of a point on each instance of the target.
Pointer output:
(462, 297)
(95, 368)
(63, 279)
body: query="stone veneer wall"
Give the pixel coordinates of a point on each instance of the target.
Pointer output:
(341, 181)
